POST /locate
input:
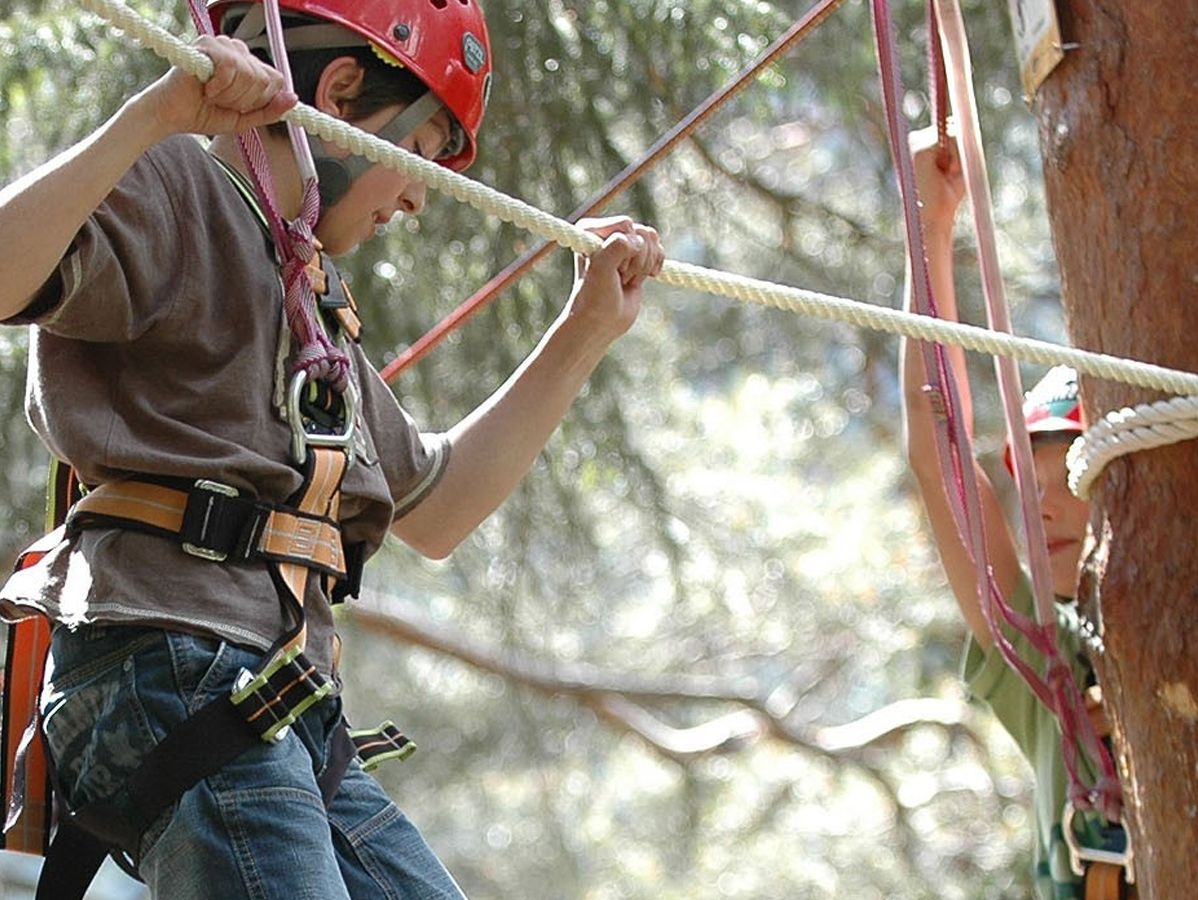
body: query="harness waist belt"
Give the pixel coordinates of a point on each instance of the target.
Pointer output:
(213, 521)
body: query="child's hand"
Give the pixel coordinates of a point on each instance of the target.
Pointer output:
(243, 93)
(938, 177)
(607, 286)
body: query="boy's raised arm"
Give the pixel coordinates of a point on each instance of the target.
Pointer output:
(41, 212)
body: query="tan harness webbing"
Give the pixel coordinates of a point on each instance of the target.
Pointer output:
(321, 497)
(1106, 881)
(305, 534)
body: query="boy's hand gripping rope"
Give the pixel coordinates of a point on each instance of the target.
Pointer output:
(679, 274)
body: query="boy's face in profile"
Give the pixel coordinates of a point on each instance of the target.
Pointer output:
(1065, 517)
(380, 193)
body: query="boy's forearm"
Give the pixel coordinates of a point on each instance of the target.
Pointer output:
(939, 245)
(496, 445)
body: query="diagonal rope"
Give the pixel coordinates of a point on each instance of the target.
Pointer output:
(631, 174)
(679, 274)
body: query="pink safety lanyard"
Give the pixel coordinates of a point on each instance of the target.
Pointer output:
(317, 355)
(1057, 690)
(1077, 729)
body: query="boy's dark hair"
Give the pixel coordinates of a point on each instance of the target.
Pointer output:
(384, 84)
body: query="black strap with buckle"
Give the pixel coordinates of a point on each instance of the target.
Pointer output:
(219, 524)
(215, 523)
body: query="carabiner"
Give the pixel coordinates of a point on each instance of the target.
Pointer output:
(301, 438)
(1079, 855)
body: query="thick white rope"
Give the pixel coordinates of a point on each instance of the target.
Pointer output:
(1128, 430)
(1131, 434)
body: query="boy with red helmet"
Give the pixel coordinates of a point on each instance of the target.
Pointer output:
(158, 369)
(1052, 412)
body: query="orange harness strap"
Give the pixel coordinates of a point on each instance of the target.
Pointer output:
(26, 779)
(1105, 881)
(24, 774)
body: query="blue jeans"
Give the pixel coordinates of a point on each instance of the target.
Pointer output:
(258, 829)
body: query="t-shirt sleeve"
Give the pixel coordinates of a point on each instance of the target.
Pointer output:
(124, 267)
(990, 679)
(412, 460)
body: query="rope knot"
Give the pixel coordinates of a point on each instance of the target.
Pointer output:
(301, 239)
(324, 362)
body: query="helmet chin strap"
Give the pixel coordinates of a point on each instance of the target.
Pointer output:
(336, 175)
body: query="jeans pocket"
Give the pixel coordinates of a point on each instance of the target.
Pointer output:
(205, 668)
(96, 728)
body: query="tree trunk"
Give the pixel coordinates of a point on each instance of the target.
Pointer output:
(1119, 138)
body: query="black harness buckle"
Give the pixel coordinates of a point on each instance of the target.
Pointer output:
(218, 521)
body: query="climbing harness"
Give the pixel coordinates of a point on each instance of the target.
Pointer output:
(209, 520)
(1106, 870)
(296, 540)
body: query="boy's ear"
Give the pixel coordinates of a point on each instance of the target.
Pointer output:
(340, 82)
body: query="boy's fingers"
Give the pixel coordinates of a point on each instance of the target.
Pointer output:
(613, 256)
(606, 227)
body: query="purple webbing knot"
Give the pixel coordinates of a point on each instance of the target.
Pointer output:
(319, 357)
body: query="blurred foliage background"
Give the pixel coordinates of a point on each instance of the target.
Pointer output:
(705, 650)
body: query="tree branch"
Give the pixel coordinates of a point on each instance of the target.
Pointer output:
(619, 698)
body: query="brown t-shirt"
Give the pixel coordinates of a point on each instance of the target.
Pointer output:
(160, 348)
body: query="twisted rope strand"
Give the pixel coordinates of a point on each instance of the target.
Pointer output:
(1128, 430)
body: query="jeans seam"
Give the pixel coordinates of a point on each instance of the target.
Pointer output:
(227, 806)
(356, 843)
(89, 670)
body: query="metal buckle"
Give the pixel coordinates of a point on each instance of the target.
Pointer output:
(302, 439)
(282, 713)
(214, 487)
(247, 683)
(1079, 855)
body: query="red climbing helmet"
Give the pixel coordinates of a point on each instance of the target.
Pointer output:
(443, 42)
(1052, 406)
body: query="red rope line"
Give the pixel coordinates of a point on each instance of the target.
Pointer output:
(617, 185)
(937, 85)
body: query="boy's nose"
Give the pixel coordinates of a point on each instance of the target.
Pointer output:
(411, 199)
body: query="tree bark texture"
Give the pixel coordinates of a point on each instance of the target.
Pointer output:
(1119, 138)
